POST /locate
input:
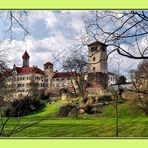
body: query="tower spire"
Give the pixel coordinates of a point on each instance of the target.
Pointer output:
(25, 58)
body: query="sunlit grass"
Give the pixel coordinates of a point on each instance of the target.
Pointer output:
(132, 123)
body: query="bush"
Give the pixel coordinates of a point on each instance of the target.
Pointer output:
(66, 110)
(21, 107)
(105, 98)
(143, 105)
(89, 109)
(6, 110)
(73, 112)
(139, 104)
(92, 109)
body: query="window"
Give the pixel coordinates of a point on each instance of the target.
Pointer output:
(93, 49)
(103, 48)
(28, 78)
(46, 80)
(46, 76)
(37, 78)
(62, 84)
(20, 85)
(94, 69)
(94, 58)
(42, 85)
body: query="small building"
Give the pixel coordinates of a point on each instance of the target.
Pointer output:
(112, 78)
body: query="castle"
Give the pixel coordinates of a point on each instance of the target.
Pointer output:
(51, 81)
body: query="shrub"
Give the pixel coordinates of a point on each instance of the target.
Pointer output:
(139, 104)
(143, 105)
(21, 107)
(105, 98)
(92, 109)
(89, 109)
(43, 96)
(6, 110)
(66, 109)
(73, 112)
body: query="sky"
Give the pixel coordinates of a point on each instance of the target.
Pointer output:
(51, 34)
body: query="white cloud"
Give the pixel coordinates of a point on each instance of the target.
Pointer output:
(77, 19)
(48, 16)
(56, 44)
(40, 51)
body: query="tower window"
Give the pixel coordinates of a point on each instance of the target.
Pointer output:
(94, 58)
(94, 69)
(93, 49)
(103, 49)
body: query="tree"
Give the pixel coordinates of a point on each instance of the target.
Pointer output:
(12, 18)
(122, 31)
(77, 65)
(121, 80)
(140, 86)
(2, 82)
(33, 92)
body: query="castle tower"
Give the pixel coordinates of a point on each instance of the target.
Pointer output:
(97, 59)
(48, 70)
(25, 58)
(48, 67)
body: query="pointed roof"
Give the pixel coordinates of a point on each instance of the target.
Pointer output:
(96, 43)
(25, 55)
(48, 63)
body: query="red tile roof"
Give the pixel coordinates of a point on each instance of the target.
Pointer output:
(24, 70)
(25, 55)
(64, 74)
(8, 72)
(97, 43)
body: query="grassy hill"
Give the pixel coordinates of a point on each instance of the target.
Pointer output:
(132, 123)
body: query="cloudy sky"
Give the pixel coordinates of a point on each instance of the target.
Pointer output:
(51, 34)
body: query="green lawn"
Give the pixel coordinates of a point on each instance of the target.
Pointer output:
(132, 123)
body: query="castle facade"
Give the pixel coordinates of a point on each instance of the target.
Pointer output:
(49, 80)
